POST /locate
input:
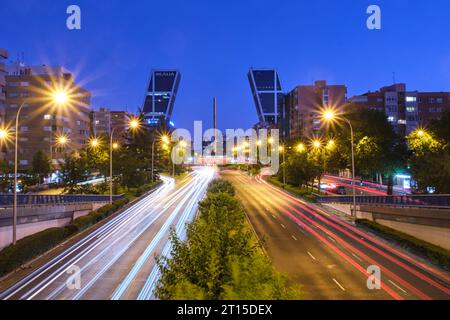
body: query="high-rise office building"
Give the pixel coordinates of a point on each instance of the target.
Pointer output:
(306, 102)
(41, 121)
(269, 99)
(405, 110)
(160, 97)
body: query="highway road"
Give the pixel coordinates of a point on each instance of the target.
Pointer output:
(116, 260)
(328, 256)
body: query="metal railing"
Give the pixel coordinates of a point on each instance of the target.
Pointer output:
(6, 200)
(406, 200)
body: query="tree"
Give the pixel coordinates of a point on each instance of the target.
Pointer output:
(5, 181)
(429, 161)
(41, 166)
(220, 259)
(75, 169)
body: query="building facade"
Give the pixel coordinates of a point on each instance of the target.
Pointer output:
(405, 110)
(306, 102)
(42, 121)
(160, 97)
(268, 97)
(104, 120)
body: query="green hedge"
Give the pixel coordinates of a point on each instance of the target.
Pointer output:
(431, 252)
(30, 247)
(27, 248)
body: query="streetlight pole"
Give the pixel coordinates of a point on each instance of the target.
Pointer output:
(153, 157)
(111, 165)
(353, 166)
(16, 145)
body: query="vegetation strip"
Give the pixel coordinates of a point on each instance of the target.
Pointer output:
(221, 258)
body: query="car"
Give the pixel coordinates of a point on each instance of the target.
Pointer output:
(341, 190)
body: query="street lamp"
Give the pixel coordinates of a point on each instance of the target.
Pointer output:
(134, 124)
(282, 150)
(4, 134)
(165, 140)
(59, 97)
(329, 116)
(301, 147)
(316, 144)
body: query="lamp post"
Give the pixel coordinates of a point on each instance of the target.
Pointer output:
(330, 116)
(281, 148)
(164, 139)
(134, 124)
(59, 97)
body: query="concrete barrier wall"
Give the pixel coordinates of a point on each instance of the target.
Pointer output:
(35, 219)
(431, 225)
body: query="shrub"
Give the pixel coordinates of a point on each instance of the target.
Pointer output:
(221, 186)
(30, 247)
(435, 254)
(38, 243)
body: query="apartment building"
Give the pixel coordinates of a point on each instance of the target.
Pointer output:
(306, 102)
(41, 120)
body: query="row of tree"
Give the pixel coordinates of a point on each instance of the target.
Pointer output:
(379, 151)
(220, 260)
(131, 164)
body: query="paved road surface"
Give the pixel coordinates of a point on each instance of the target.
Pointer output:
(117, 259)
(328, 256)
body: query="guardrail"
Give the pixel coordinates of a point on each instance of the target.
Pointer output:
(407, 200)
(6, 200)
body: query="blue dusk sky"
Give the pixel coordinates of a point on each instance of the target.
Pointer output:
(214, 43)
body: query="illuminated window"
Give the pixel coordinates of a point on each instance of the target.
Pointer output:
(47, 117)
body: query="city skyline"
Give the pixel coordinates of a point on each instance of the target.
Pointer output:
(340, 48)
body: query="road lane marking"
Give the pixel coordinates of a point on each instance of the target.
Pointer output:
(312, 257)
(273, 216)
(397, 286)
(293, 237)
(339, 285)
(331, 239)
(357, 257)
(282, 225)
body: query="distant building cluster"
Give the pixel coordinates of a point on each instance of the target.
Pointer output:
(297, 113)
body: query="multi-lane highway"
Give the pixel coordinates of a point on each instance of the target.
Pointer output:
(117, 259)
(329, 256)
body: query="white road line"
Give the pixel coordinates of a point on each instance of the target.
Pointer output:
(397, 286)
(339, 285)
(312, 257)
(293, 237)
(283, 226)
(273, 216)
(331, 239)
(357, 257)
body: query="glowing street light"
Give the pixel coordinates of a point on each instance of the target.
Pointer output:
(4, 134)
(134, 123)
(94, 142)
(301, 147)
(316, 144)
(421, 133)
(60, 97)
(331, 144)
(330, 116)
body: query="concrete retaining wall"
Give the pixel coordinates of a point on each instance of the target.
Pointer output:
(31, 220)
